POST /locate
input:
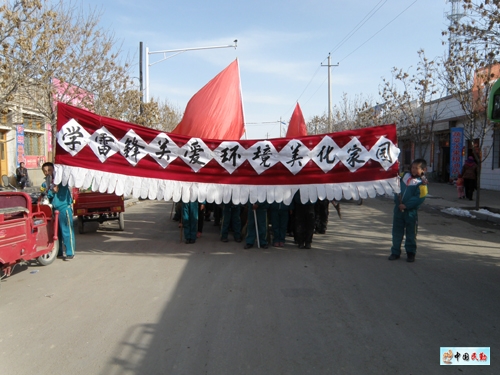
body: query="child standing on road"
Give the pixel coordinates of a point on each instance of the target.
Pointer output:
(405, 219)
(460, 187)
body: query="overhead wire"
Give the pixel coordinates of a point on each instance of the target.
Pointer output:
(365, 19)
(387, 24)
(369, 15)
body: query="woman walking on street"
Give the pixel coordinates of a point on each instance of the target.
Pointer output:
(469, 174)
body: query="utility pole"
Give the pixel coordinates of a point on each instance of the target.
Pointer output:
(141, 86)
(175, 53)
(329, 65)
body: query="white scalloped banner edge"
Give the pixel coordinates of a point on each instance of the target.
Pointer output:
(151, 188)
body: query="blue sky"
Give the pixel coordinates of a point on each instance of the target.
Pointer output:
(281, 46)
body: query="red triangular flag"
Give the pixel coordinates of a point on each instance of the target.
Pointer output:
(297, 126)
(216, 111)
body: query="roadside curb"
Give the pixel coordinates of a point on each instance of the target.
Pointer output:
(481, 216)
(439, 203)
(131, 202)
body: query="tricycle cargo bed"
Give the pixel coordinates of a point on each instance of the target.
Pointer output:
(89, 203)
(97, 207)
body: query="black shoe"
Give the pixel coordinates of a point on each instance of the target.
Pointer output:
(187, 241)
(394, 257)
(264, 246)
(238, 240)
(302, 246)
(410, 257)
(69, 257)
(248, 246)
(307, 246)
(224, 240)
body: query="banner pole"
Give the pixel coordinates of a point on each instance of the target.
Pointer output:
(256, 227)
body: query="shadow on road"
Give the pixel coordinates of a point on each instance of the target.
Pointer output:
(340, 307)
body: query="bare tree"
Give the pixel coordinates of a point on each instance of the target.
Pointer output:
(318, 125)
(168, 117)
(469, 75)
(58, 52)
(482, 26)
(471, 68)
(352, 113)
(414, 100)
(23, 38)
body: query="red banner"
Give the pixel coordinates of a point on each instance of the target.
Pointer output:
(114, 156)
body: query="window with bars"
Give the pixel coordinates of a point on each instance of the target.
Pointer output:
(6, 119)
(34, 144)
(34, 141)
(33, 123)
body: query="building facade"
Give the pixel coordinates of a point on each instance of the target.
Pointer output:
(25, 136)
(448, 146)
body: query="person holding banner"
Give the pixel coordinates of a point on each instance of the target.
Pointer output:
(305, 221)
(279, 221)
(189, 223)
(257, 225)
(231, 218)
(60, 198)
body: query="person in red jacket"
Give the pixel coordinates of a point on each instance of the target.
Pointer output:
(469, 173)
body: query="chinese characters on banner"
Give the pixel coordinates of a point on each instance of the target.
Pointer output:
(456, 146)
(115, 156)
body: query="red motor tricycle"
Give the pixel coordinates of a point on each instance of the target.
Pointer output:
(98, 207)
(27, 231)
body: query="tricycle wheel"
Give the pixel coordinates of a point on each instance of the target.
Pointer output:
(48, 258)
(81, 228)
(121, 221)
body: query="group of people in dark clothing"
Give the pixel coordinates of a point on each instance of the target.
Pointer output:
(297, 219)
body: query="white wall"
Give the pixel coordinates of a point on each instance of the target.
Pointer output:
(490, 173)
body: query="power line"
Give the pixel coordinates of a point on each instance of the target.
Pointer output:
(369, 15)
(387, 24)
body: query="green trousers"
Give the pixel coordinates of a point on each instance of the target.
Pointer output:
(404, 224)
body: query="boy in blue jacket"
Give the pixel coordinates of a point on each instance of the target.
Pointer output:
(405, 219)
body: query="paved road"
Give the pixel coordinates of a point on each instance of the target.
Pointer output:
(139, 302)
